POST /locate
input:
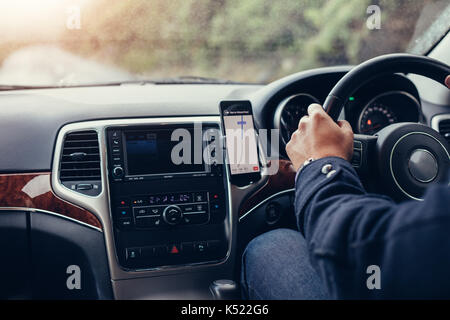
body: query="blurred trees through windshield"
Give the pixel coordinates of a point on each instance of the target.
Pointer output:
(241, 40)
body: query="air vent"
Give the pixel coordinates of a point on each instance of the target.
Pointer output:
(444, 129)
(80, 160)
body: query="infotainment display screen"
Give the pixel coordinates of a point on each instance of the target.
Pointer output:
(149, 152)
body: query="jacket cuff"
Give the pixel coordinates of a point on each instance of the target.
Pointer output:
(314, 176)
(314, 169)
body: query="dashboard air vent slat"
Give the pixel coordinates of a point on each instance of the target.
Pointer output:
(80, 160)
(444, 129)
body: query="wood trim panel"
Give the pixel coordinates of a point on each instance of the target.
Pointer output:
(284, 179)
(33, 190)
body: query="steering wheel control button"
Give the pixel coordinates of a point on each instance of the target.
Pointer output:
(172, 215)
(423, 165)
(357, 154)
(356, 159)
(331, 173)
(326, 168)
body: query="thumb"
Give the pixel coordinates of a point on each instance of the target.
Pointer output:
(447, 81)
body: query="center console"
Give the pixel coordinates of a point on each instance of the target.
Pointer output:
(166, 213)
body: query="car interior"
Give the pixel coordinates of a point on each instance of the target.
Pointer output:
(88, 182)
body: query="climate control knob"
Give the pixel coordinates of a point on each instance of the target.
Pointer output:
(118, 172)
(172, 215)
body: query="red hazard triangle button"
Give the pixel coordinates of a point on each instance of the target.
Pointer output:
(174, 250)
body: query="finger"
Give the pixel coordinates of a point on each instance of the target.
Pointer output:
(345, 125)
(447, 81)
(315, 108)
(303, 122)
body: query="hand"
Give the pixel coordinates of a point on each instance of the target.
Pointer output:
(447, 81)
(318, 136)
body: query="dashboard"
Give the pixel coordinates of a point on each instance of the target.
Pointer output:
(72, 166)
(385, 101)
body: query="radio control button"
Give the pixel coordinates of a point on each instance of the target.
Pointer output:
(186, 208)
(123, 202)
(125, 223)
(200, 247)
(198, 218)
(200, 207)
(140, 211)
(133, 253)
(213, 245)
(187, 220)
(123, 213)
(147, 252)
(139, 202)
(187, 247)
(200, 197)
(154, 210)
(118, 172)
(148, 222)
(172, 215)
(160, 251)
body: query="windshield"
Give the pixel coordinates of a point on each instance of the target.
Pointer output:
(73, 42)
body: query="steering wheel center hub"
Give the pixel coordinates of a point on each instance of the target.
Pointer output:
(423, 165)
(411, 156)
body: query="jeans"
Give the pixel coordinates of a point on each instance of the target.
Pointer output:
(276, 266)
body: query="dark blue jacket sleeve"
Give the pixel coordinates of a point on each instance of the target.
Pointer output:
(348, 230)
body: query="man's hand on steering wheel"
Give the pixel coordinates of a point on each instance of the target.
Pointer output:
(318, 136)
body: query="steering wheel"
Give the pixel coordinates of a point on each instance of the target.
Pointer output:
(403, 159)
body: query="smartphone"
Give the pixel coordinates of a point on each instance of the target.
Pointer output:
(240, 142)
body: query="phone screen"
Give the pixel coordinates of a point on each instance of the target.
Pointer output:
(241, 142)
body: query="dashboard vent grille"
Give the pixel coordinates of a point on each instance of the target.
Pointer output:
(444, 129)
(80, 158)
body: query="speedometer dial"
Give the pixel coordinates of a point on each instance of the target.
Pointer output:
(289, 112)
(375, 117)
